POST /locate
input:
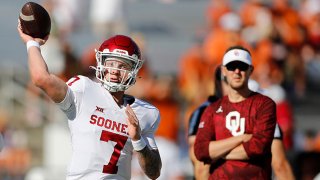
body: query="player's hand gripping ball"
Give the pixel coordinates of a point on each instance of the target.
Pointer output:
(35, 20)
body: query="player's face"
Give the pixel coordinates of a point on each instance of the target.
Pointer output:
(237, 74)
(116, 70)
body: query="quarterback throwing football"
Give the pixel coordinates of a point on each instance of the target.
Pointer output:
(106, 125)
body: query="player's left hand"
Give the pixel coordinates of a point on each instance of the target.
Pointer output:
(133, 124)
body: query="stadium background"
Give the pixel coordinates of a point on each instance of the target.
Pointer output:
(36, 133)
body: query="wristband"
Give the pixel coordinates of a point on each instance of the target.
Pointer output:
(31, 43)
(138, 145)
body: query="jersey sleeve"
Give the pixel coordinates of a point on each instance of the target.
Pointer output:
(278, 133)
(205, 134)
(148, 135)
(194, 119)
(263, 132)
(70, 105)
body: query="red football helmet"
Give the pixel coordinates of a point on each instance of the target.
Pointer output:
(122, 48)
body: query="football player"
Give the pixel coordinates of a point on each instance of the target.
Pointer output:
(106, 125)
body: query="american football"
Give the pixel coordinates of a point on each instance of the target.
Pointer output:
(35, 20)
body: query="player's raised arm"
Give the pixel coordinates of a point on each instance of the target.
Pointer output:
(54, 87)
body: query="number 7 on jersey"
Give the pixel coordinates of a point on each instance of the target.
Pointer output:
(111, 167)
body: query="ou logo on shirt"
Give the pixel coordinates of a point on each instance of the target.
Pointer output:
(235, 123)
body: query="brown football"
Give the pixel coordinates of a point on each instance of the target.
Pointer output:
(35, 20)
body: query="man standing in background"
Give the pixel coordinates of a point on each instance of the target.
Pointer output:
(236, 132)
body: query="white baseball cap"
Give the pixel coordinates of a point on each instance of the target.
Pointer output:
(236, 55)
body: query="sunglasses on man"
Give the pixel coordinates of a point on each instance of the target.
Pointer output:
(232, 66)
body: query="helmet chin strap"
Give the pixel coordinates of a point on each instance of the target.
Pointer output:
(122, 86)
(111, 89)
(114, 87)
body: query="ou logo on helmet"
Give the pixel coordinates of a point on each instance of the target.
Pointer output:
(235, 123)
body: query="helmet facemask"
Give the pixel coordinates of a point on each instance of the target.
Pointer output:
(129, 75)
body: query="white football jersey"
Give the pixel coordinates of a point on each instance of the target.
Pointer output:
(100, 143)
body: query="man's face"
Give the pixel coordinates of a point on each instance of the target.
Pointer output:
(116, 70)
(237, 74)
